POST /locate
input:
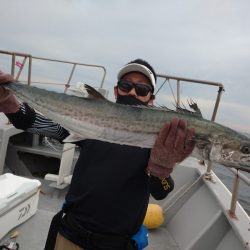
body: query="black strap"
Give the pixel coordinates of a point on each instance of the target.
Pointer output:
(96, 239)
(53, 230)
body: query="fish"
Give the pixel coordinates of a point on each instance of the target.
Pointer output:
(97, 118)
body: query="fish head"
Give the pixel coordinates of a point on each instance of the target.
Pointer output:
(232, 153)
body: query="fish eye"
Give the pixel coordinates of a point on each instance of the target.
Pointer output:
(245, 149)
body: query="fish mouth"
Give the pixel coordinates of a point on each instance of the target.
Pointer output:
(237, 166)
(240, 166)
(244, 169)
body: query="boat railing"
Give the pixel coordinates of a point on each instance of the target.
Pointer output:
(30, 58)
(24, 63)
(220, 88)
(238, 176)
(179, 80)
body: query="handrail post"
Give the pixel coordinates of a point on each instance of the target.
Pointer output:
(217, 103)
(103, 78)
(20, 69)
(29, 70)
(178, 93)
(208, 175)
(13, 64)
(234, 196)
(70, 77)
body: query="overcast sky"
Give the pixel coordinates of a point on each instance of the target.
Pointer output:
(202, 39)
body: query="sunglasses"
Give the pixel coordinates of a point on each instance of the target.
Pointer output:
(140, 89)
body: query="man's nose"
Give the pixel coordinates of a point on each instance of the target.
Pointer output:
(132, 92)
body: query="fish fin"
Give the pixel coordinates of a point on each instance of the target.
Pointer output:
(201, 141)
(93, 93)
(163, 107)
(204, 146)
(183, 109)
(73, 138)
(193, 105)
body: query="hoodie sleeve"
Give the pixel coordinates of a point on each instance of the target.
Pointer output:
(29, 120)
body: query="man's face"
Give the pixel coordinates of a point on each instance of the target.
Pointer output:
(135, 78)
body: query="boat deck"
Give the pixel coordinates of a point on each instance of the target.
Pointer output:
(33, 232)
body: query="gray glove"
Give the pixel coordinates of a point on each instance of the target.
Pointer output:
(173, 144)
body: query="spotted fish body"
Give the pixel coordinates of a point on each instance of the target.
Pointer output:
(100, 119)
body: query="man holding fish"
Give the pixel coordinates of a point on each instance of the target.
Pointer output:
(109, 192)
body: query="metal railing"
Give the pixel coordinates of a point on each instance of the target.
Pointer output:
(30, 62)
(189, 80)
(238, 175)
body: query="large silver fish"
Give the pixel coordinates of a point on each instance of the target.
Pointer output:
(137, 126)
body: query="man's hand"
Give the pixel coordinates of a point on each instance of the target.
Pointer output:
(4, 78)
(173, 144)
(8, 102)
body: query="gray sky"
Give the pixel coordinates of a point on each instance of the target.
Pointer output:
(207, 40)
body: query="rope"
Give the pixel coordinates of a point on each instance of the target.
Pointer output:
(167, 79)
(48, 143)
(183, 193)
(172, 92)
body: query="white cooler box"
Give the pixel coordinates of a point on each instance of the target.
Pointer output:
(18, 201)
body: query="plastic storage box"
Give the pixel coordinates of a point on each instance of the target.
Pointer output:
(18, 201)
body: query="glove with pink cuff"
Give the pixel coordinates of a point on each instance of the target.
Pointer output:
(8, 101)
